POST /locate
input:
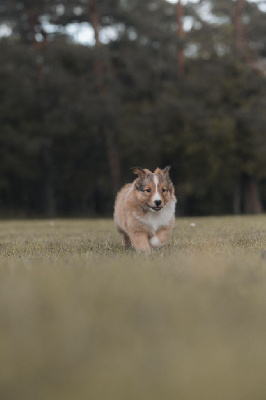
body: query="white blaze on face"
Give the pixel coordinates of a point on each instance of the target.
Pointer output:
(156, 196)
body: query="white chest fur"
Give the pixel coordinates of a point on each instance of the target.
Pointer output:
(155, 219)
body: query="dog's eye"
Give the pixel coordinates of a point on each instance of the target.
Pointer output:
(148, 190)
(163, 190)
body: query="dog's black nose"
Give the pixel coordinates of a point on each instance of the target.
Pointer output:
(158, 202)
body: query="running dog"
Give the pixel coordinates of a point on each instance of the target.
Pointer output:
(144, 211)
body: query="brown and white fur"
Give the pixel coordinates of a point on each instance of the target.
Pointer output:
(144, 210)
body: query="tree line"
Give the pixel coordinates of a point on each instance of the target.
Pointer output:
(174, 84)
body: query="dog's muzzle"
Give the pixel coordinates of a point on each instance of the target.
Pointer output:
(155, 208)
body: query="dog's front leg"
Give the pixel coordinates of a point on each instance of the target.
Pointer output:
(125, 238)
(160, 238)
(140, 242)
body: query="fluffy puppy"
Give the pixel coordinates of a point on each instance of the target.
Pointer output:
(144, 211)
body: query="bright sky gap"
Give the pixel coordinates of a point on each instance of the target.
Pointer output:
(83, 33)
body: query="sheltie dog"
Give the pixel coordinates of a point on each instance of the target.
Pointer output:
(144, 211)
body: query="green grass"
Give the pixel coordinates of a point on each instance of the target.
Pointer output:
(81, 318)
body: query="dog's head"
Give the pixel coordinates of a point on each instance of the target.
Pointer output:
(153, 189)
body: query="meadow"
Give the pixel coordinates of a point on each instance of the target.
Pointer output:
(82, 318)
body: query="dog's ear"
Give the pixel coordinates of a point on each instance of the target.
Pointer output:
(164, 171)
(138, 171)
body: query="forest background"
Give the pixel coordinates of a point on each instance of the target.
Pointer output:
(155, 83)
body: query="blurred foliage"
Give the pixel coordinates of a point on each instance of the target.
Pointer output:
(209, 125)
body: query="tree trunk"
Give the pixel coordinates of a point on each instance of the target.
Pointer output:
(49, 181)
(251, 202)
(240, 44)
(46, 143)
(159, 63)
(251, 196)
(112, 153)
(98, 65)
(113, 160)
(237, 198)
(180, 36)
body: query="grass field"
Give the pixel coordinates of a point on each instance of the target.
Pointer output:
(81, 318)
